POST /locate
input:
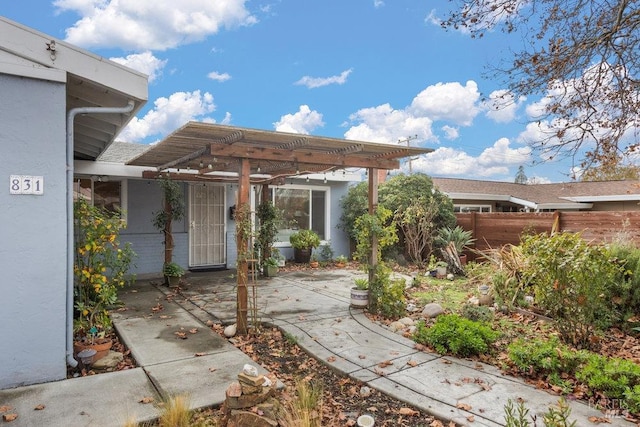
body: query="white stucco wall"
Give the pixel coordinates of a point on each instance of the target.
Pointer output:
(33, 232)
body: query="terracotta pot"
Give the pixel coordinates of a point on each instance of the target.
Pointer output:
(100, 345)
(314, 264)
(463, 259)
(340, 265)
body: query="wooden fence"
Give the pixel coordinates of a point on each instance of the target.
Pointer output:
(493, 230)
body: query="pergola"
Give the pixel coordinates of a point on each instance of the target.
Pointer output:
(208, 152)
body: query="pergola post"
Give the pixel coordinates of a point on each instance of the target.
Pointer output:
(373, 206)
(242, 242)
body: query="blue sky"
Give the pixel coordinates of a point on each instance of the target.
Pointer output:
(370, 70)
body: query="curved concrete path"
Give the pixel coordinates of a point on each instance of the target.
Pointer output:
(178, 353)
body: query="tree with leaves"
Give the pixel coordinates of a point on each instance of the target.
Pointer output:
(584, 59)
(521, 178)
(614, 170)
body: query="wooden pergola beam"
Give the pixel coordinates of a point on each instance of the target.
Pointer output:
(302, 157)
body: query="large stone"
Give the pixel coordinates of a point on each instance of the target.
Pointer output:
(110, 361)
(249, 419)
(396, 326)
(248, 400)
(407, 321)
(253, 381)
(432, 310)
(230, 331)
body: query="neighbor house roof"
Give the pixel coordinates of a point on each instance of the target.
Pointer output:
(202, 150)
(91, 81)
(565, 195)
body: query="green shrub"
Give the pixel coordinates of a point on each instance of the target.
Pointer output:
(632, 399)
(612, 377)
(625, 294)
(387, 296)
(457, 335)
(545, 357)
(571, 280)
(554, 417)
(477, 313)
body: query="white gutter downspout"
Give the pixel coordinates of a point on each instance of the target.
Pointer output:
(71, 115)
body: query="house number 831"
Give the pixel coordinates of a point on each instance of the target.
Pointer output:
(26, 184)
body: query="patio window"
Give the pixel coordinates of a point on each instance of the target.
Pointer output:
(471, 208)
(104, 194)
(301, 209)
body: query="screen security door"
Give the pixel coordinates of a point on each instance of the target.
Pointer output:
(207, 246)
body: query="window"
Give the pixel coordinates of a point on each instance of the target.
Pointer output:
(301, 208)
(105, 194)
(471, 208)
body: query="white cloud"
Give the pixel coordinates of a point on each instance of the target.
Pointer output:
(219, 77)
(151, 24)
(493, 161)
(501, 106)
(385, 125)
(450, 132)
(314, 82)
(144, 62)
(448, 101)
(303, 121)
(169, 114)
(378, 3)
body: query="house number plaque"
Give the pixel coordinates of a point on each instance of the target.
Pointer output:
(26, 184)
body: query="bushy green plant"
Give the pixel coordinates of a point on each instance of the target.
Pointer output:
(477, 313)
(632, 399)
(379, 225)
(545, 357)
(386, 295)
(101, 266)
(612, 377)
(172, 269)
(571, 280)
(457, 335)
(268, 217)
(555, 417)
(625, 294)
(304, 239)
(457, 235)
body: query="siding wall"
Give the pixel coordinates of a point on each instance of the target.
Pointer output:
(33, 232)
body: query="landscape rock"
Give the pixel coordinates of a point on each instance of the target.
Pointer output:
(247, 418)
(407, 321)
(396, 326)
(110, 361)
(230, 331)
(365, 391)
(432, 310)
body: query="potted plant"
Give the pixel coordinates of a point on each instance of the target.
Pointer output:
(360, 292)
(458, 237)
(313, 262)
(172, 273)
(101, 266)
(441, 269)
(341, 261)
(303, 243)
(270, 268)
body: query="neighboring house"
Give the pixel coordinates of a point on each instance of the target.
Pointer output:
(492, 196)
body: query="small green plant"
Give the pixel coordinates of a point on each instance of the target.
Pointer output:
(326, 252)
(545, 357)
(361, 283)
(271, 262)
(612, 377)
(477, 313)
(341, 259)
(457, 335)
(172, 269)
(304, 239)
(290, 338)
(517, 416)
(387, 296)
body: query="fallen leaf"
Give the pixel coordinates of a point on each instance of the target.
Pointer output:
(379, 372)
(199, 354)
(146, 400)
(158, 307)
(213, 369)
(446, 361)
(331, 359)
(407, 411)
(372, 409)
(193, 331)
(471, 418)
(5, 408)
(40, 407)
(9, 417)
(181, 335)
(598, 420)
(362, 356)
(385, 363)
(412, 363)
(463, 406)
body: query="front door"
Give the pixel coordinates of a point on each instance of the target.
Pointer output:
(207, 246)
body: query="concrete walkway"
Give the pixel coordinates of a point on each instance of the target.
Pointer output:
(311, 305)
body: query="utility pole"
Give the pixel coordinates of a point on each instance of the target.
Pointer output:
(408, 140)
